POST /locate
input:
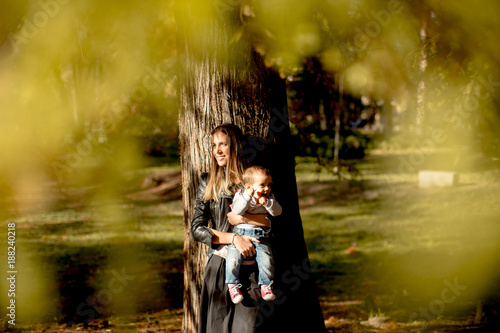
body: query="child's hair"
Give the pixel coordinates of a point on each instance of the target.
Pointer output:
(251, 172)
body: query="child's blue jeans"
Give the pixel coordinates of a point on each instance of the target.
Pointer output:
(264, 257)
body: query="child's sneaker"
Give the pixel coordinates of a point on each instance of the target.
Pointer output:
(235, 293)
(267, 293)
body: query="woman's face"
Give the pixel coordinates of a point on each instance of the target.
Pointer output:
(220, 148)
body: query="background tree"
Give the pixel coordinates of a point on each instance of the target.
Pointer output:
(316, 103)
(224, 80)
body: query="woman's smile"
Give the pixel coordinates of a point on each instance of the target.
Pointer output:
(221, 159)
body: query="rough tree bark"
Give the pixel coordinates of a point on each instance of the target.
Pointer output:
(224, 81)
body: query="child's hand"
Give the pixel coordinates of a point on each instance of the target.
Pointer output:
(262, 200)
(249, 190)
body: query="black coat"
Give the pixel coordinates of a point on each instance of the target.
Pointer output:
(209, 214)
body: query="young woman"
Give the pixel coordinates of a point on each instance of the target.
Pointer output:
(218, 313)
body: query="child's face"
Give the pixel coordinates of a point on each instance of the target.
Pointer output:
(261, 186)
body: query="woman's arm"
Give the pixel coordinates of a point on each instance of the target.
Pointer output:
(259, 220)
(242, 243)
(199, 225)
(211, 237)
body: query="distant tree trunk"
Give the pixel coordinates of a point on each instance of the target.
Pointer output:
(338, 113)
(229, 83)
(386, 115)
(424, 55)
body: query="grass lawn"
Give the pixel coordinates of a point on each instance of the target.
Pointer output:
(379, 245)
(397, 248)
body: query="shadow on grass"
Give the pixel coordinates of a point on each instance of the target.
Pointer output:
(91, 283)
(61, 228)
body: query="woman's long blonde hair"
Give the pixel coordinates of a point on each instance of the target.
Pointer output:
(222, 179)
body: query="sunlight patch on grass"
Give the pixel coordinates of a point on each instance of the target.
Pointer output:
(97, 238)
(54, 217)
(160, 222)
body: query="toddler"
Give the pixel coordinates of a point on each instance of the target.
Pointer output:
(256, 199)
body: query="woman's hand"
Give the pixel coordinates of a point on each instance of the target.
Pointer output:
(244, 245)
(235, 219)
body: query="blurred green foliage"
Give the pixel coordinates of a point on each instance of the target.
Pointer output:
(88, 88)
(82, 83)
(76, 73)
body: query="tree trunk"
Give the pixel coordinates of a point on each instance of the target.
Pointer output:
(228, 82)
(421, 88)
(338, 112)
